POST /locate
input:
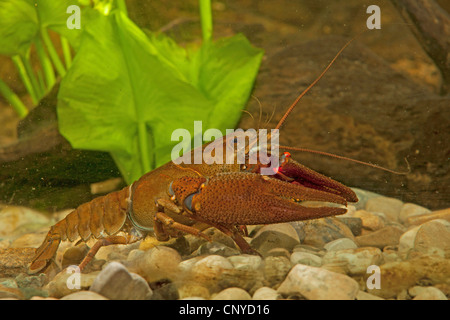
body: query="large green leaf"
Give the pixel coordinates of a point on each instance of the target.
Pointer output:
(121, 80)
(18, 26)
(21, 21)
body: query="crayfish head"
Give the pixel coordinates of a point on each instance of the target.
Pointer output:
(183, 189)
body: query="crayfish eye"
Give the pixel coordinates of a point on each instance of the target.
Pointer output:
(285, 157)
(171, 193)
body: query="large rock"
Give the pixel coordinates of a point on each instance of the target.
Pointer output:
(318, 284)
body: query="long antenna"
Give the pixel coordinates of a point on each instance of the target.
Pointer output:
(280, 123)
(323, 153)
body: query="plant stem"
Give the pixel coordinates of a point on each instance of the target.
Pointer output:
(32, 76)
(122, 6)
(66, 52)
(143, 146)
(13, 99)
(206, 19)
(46, 64)
(25, 78)
(52, 52)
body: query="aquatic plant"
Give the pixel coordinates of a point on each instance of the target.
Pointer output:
(127, 90)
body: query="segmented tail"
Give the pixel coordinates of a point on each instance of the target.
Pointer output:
(98, 218)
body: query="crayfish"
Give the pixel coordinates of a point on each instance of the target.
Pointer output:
(177, 199)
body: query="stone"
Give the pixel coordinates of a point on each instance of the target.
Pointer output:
(116, 252)
(212, 272)
(156, 264)
(31, 240)
(318, 284)
(7, 292)
(84, 295)
(430, 237)
(426, 293)
(439, 214)
(354, 223)
(275, 270)
(306, 258)
(411, 210)
(278, 252)
(280, 235)
(353, 261)
(340, 244)
(367, 296)
(115, 282)
(19, 220)
(388, 236)
(68, 281)
(370, 220)
(246, 262)
(165, 291)
(321, 231)
(74, 255)
(398, 276)
(265, 293)
(216, 248)
(389, 206)
(232, 294)
(191, 289)
(433, 234)
(14, 261)
(363, 197)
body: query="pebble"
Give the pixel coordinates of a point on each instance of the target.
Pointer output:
(430, 237)
(398, 276)
(353, 261)
(31, 240)
(354, 223)
(278, 252)
(321, 231)
(115, 282)
(265, 293)
(209, 271)
(191, 289)
(363, 196)
(67, 282)
(370, 220)
(232, 294)
(340, 244)
(411, 210)
(275, 270)
(388, 236)
(84, 295)
(156, 264)
(306, 258)
(7, 292)
(246, 262)
(366, 296)
(14, 261)
(216, 248)
(280, 235)
(426, 293)
(16, 220)
(318, 284)
(440, 214)
(389, 206)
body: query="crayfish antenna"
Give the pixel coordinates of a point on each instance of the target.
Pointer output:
(332, 155)
(289, 110)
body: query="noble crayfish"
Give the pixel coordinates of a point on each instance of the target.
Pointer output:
(177, 199)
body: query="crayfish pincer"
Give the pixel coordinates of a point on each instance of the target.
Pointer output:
(177, 199)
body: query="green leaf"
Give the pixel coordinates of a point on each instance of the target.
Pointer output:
(121, 80)
(18, 26)
(53, 15)
(22, 20)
